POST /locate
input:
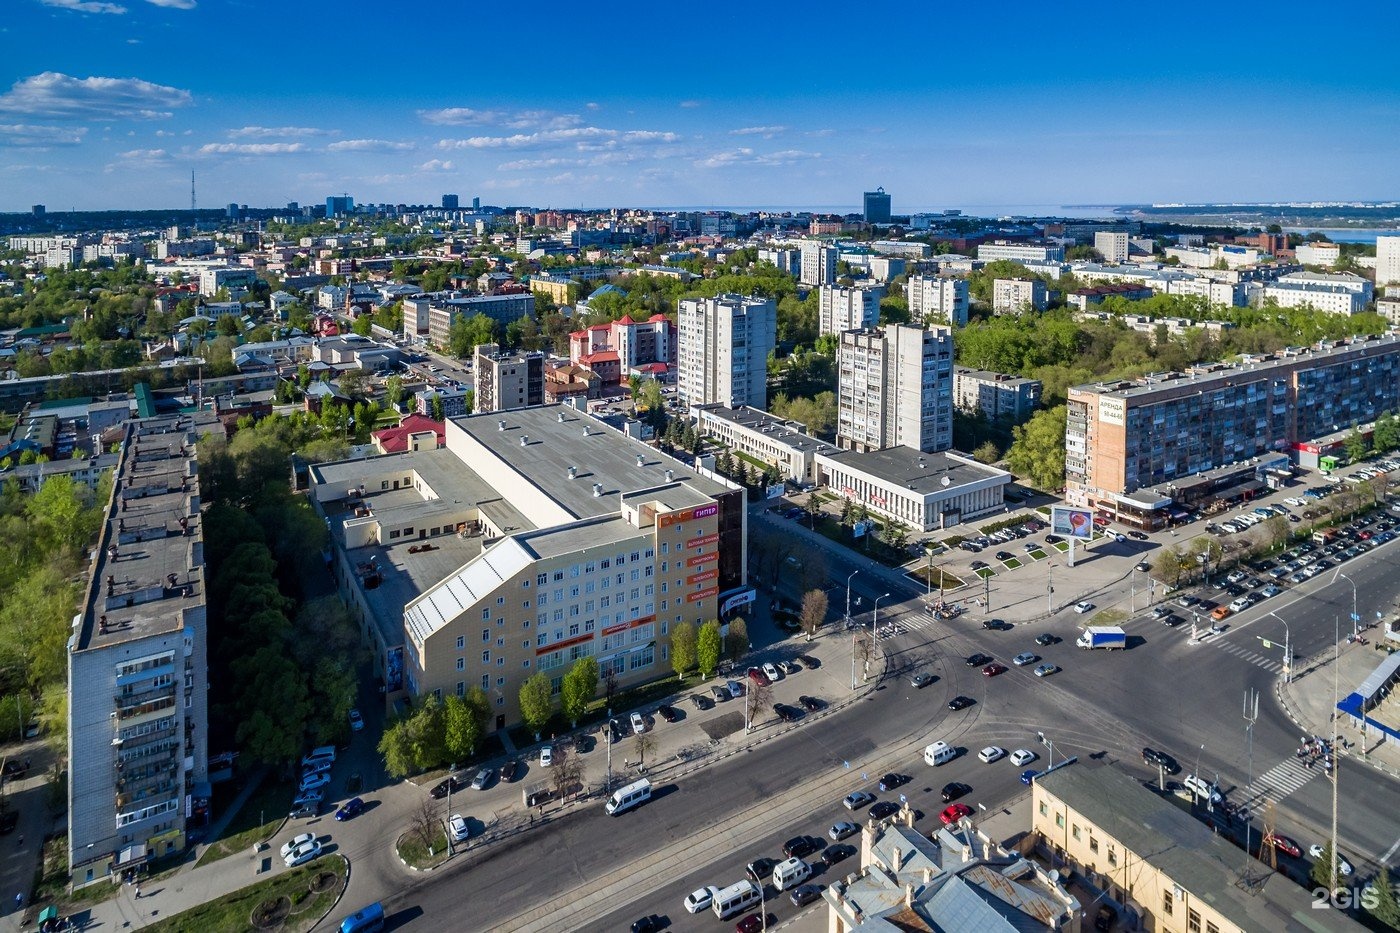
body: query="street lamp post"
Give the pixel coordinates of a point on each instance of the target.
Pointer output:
(848, 593)
(854, 633)
(874, 625)
(1355, 619)
(1287, 649)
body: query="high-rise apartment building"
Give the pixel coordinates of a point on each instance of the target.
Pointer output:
(1388, 260)
(450, 202)
(877, 207)
(337, 205)
(895, 388)
(722, 348)
(937, 299)
(818, 263)
(507, 380)
(1012, 296)
(138, 685)
(841, 308)
(1112, 246)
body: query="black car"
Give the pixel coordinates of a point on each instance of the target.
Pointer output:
(787, 713)
(1155, 758)
(451, 785)
(960, 702)
(1004, 555)
(760, 869)
(810, 704)
(701, 702)
(883, 809)
(668, 713)
(806, 894)
(510, 771)
(953, 790)
(833, 854)
(648, 924)
(1045, 638)
(891, 781)
(1053, 539)
(799, 847)
(979, 565)
(977, 660)
(810, 661)
(994, 625)
(1138, 535)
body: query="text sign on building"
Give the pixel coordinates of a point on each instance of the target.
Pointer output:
(624, 626)
(702, 577)
(699, 559)
(702, 541)
(703, 594)
(1111, 410)
(676, 518)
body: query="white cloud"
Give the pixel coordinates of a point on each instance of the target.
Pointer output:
(86, 6)
(767, 132)
(459, 116)
(584, 137)
(276, 132)
(62, 96)
(174, 4)
(592, 105)
(514, 120)
(143, 155)
(252, 148)
(436, 165)
(369, 145)
(725, 158)
(746, 156)
(26, 135)
(690, 104)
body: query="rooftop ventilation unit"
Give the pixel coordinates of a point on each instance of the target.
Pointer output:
(641, 461)
(524, 440)
(670, 475)
(501, 425)
(561, 417)
(573, 472)
(597, 490)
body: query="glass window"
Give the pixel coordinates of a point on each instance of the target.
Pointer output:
(1168, 903)
(461, 664)
(486, 656)
(461, 641)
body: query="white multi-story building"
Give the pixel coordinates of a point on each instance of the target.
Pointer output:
(753, 431)
(1334, 299)
(1388, 260)
(818, 263)
(842, 308)
(1318, 254)
(788, 260)
(1349, 281)
(722, 349)
(1199, 257)
(1230, 294)
(895, 388)
(234, 278)
(1012, 296)
(937, 299)
(1016, 252)
(1113, 247)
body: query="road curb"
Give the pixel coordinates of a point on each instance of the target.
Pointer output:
(335, 903)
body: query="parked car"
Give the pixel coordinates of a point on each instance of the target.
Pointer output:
(350, 809)
(295, 842)
(786, 713)
(313, 781)
(810, 704)
(833, 854)
(357, 722)
(760, 869)
(546, 755)
(302, 854)
(700, 899)
(883, 809)
(648, 924)
(667, 713)
(977, 660)
(890, 781)
(1152, 756)
(1316, 851)
(639, 723)
(800, 847)
(991, 753)
(1283, 844)
(953, 790)
(770, 670)
(510, 771)
(1024, 658)
(758, 677)
(483, 778)
(457, 827)
(453, 784)
(805, 894)
(1023, 756)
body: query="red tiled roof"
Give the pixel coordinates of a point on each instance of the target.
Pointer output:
(602, 356)
(652, 367)
(578, 333)
(656, 317)
(395, 440)
(626, 319)
(601, 327)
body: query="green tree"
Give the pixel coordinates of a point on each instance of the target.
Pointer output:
(273, 706)
(1386, 907)
(396, 747)
(57, 510)
(987, 452)
(428, 732)
(362, 325)
(709, 645)
(536, 703)
(393, 391)
(848, 511)
(1321, 874)
(227, 325)
(467, 334)
(1355, 446)
(1037, 451)
(579, 687)
(736, 642)
(683, 647)
(461, 731)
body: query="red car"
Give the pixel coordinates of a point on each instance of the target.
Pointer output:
(753, 923)
(1283, 844)
(758, 677)
(993, 669)
(954, 812)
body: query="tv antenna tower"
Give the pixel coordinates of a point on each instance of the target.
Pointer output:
(191, 191)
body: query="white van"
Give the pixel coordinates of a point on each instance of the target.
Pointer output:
(625, 798)
(939, 753)
(789, 873)
(735, 899)
(324, 753)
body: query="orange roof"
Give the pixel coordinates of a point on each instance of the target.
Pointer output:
(602, 356)
(395, 440)
(626, 319)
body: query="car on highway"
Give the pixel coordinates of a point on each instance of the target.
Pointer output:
(890, 781)
(760, 869)
(1137, 535)
(350, 809)
(648, 924)
(1186, 602)
(1317, 850)
(953, 790)
(453, 784)
(860, 798)
(296, 841)
(1083, 607)
(667, 713)
(357, 722)
(833, 854)
(1029, 775)
(1024, 658)
(991, 753)
(921, 680)
(1283, 844)
(302, 854)
(770, 670)
(960, 702)
(993, 669)
(810, 704)
(800, 846)
(995, 625)
(805, 894)
(546, 756)
(1045, 639)
(1023, 756)
(954, 812)
(700, 899)
(1151, 756)
(883, 809)
(841, 830)
(977, 660)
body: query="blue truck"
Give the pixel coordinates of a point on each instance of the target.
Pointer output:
(1103, 636)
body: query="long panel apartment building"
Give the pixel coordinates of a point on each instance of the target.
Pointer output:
(1138, 448)
(138, 683)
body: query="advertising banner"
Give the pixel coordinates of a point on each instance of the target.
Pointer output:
(1070, 522)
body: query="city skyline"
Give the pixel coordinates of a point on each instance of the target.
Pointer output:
(111, 105)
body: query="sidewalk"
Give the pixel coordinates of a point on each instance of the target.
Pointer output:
(1308, 701)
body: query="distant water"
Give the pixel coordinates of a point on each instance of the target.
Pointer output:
(1345, 234)
(972, 210)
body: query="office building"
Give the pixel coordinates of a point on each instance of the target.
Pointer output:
(773, 440)
(895, 388)
(450, 202)
(451, 402)
(937, 299)
(818, 263)
(1146, 856)
(877, 207)
(1387, 260)
(552, 537)
(722, 349)
(236, 279)
(998, 396)
(1139, 449)
(1201, 257)
(1017, 252)
(1348, 280)
(339, 205)
(1318, 254)
(642, 347)
(503, 309)
(841, 308)
(1014, 296)
(138, 685)
(924, 491)
(1113, 247)
(507, 380)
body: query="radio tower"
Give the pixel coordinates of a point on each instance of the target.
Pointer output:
(191, 191)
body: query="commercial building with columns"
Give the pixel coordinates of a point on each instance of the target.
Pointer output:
(925, 491)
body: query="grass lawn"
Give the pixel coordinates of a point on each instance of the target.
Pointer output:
(750, 460)
(949, 581)
(870, 546)
(1038, 555)
(235, 911)
(1012, 564)
(985, 572)
(1060, 546)
(412, 851)
(259, 817)
(1109, 617)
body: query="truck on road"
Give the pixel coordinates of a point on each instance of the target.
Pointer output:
(1103, 636)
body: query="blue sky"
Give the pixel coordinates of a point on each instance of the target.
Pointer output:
(111, 103)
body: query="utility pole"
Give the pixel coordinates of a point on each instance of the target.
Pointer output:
(1049, 586)
(1332, 757)
(1251, 716)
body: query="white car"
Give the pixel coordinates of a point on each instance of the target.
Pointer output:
(770, 670)
(1083, 607)
(458, 828)
(303, 853)
(1343, 866)
(992, 753)
(639, 723)
(316, 767)
(357, 722)
(313, 782)
(546, 756)
(700, 899)
(1022, 756)
(295, 842)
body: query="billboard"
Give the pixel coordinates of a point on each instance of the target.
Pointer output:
(393, 669)
(1071, 522)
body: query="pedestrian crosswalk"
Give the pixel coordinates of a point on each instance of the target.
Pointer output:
(911, 622)
(1247, 653)
(1284, 778)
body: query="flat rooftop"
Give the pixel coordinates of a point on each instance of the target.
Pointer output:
(558, 437)
(920, 472)
(149, 559)
(791, 433)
